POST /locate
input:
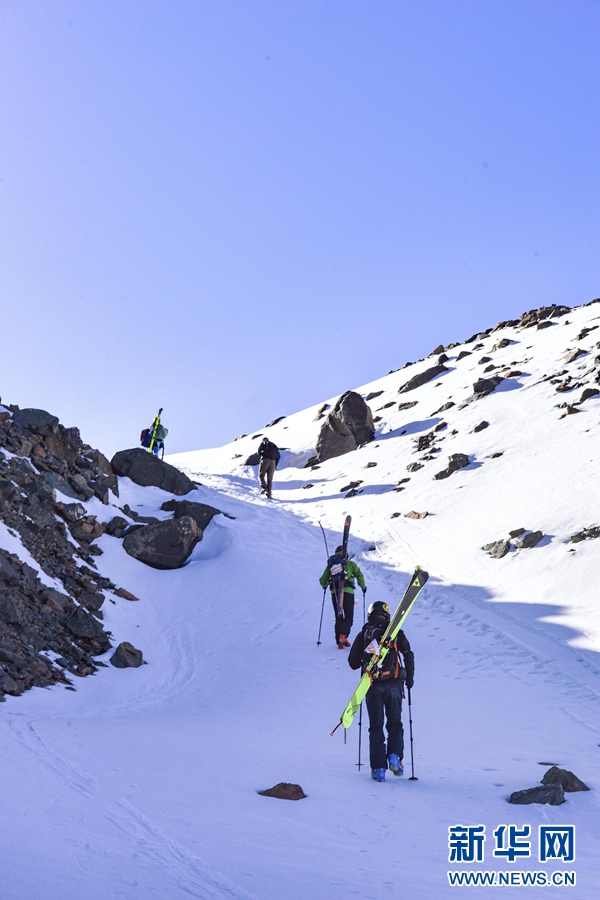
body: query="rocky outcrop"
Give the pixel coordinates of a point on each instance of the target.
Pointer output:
(543, 314)
(423, 378)
(145, 469)
(202, 513)
(348, 426)
(166, 545)
(570, 782)
(127, 657)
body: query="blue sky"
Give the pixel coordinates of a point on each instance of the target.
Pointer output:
(238, 209)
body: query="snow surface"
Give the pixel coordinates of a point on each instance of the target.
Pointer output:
(143, 783)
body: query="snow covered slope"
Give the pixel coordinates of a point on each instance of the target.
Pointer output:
(144, 782)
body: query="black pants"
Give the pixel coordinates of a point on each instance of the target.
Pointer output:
(343, 622)
(385, 696)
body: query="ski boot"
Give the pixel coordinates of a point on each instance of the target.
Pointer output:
(378, 774)
(343, 642)
(395, 764)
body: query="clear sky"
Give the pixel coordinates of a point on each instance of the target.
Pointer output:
(237, 209)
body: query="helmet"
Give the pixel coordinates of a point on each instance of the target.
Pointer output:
(379, 610)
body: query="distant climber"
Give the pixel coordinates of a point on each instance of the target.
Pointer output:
(269, 456)
(153, 438)
(386, 691)
(338, 568)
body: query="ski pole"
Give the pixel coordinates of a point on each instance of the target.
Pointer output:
(321, 622)
(359, 763)
(413, 777)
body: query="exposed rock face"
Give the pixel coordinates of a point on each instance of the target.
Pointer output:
(127, 657)
(455, 461)
(166, 545)
(543, 314)
(285, 791)
(38, 421)
(146, 469)
(570, 782)
(202, 513)
(423, 378)
(552, 794)
(485, 386)
(253, 460)
(586, 533)
(348, 425)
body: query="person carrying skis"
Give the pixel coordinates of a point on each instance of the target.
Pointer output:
(269, 456)
(338, 568)
(153, 438)
(386, 691)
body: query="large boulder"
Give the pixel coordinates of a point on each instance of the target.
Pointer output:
(202, 513)
(146, 469)
(348, 425)
(38, 421)
(127, 657)
(166, 545)
(65, 442)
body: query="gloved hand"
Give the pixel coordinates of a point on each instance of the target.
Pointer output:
(364, 590)
(410, 683)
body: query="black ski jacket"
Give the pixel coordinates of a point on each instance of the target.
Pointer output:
(269, 450)
(356, 657)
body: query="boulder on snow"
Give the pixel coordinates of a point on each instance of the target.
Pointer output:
(589, 392)
(551, 793)
(417, 380)
(570, 782)
(348, 425)
(166, 545)
(285, 791)
(485, 386)
(202, 513)
(127, 657)
(455, 462)
(415, 515)
(82, 624)
(497, 549)
(146, 469)
(529, 540)
(253, 460)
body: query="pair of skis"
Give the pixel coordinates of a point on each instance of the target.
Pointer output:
(155, 425)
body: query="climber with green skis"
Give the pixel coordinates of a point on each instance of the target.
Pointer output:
(153, 438)
(340, 574)
(384, 696)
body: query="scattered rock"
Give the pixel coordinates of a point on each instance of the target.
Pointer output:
(58, 483)
(443, 408)
(570, 782)
(442, 359)
(437, 350)
(462, 355)
(481, 426)
(285, 791)
(145, 469)
(538, 316)
(513, 373)
(416, 515)
(589, 392)
(422, 378)
(408, 405)
(484, 359)
(348, 425)
(125, 595)
(501, 344)
(275, 422)
(387, 405)
(372, 395)
(202, 513)
(485, 386)
(166, 545)
(351, 486)
(517, 532)
(321, 411)
(395, 515)
(497, 455)
(572, 355)
(127, 657)
(497, 549)
(414, 467)
(585, 534)
(455, 462)
(37, 421)
(552, 794)
(370, 465)
(82, 624)
(529, 540)
(253, 460)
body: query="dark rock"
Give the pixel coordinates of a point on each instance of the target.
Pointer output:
(589, 392)
(442, 358)
(496, 455)
(253, 460)
(58, 483)
(166, 545)
(538, 316)
(202, 513)
(100, 491)
(414, 467)
(348, 425)
(462, 355)
(517, 532)
(9, 686)
(481, 426)
(408, 405)
(7, 573)
(125, 595)
(372, 395)
(370, 465)
(585, 533)
(422, 378)
(445, 407)
(455, 462)
(37, 421)
(285, 791)
(117, 527)
(82, 624)
(7, 655)
(514, 373)
(8, 610)
(73, 512)
(570, 782)
(574, 354)
(497, 549)
(127, 657)
(501, 344)
(552, 794)
(65, 443)
(387, 405)
(146, 469)
(484, 359)
(55, 599)
(275, 421)
(437, 350)
(529, 540)
(351, 486)
(485, 386)
(91, 601)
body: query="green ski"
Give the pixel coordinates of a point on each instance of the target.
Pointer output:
(155, 425)
(417, 583)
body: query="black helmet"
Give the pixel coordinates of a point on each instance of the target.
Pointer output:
(379, 610)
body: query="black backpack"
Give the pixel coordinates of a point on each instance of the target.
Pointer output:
(391, 667)
(337, 570)
(146, 437)
(270, 451)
